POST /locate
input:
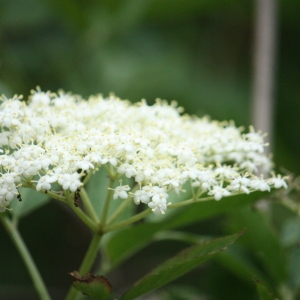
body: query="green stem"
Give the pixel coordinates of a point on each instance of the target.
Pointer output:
(86, 263)
(127, 222)
(27, 258)
(107, 201)
(92, 224)
(84, 218)
(193, 200)
(121, 208)
(51, 194)
(190, 201)
(78, 211)
(88, 205)
(87, 178)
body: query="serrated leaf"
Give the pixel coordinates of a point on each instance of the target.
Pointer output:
(263, 292)
(180, 264)
(31, 200)
(95, 287)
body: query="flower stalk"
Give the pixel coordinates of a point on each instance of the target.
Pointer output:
(88, 205)
(127, 222)
(27, 258)
(107, 201)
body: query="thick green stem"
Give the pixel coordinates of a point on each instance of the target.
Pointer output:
(88, 205)
(84, 218)
(27, 258)
(86, 263)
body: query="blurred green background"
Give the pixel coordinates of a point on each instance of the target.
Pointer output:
(198, 52)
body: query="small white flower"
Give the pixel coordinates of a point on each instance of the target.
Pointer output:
(240, 184)
(141, 196)
(278, 182)
(84, 165)
(158, 205)
(175, 182)
(8, 191)
(260, 185)
(121, 192)
(186, 156)
(205, 180)
(113, 161)
(40, 99)
(225, 172)
(44, 183)
(160, 195)
(218, 192)
(127, 169)
(70, 181)
(191, 173)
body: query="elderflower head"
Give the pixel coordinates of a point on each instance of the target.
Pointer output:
(58, 138)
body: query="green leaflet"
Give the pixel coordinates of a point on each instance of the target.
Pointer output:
(262, 291)
(178, 265)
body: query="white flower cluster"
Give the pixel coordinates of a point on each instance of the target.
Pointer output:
(56, 138)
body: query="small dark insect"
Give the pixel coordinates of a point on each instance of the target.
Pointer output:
(76, 198)
(19, 197)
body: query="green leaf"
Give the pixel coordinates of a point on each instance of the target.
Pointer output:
(261, 239)
(31, 200)
(126, 242)
(263, 292)
(95, 287)
(180, 264)
(237, 261)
